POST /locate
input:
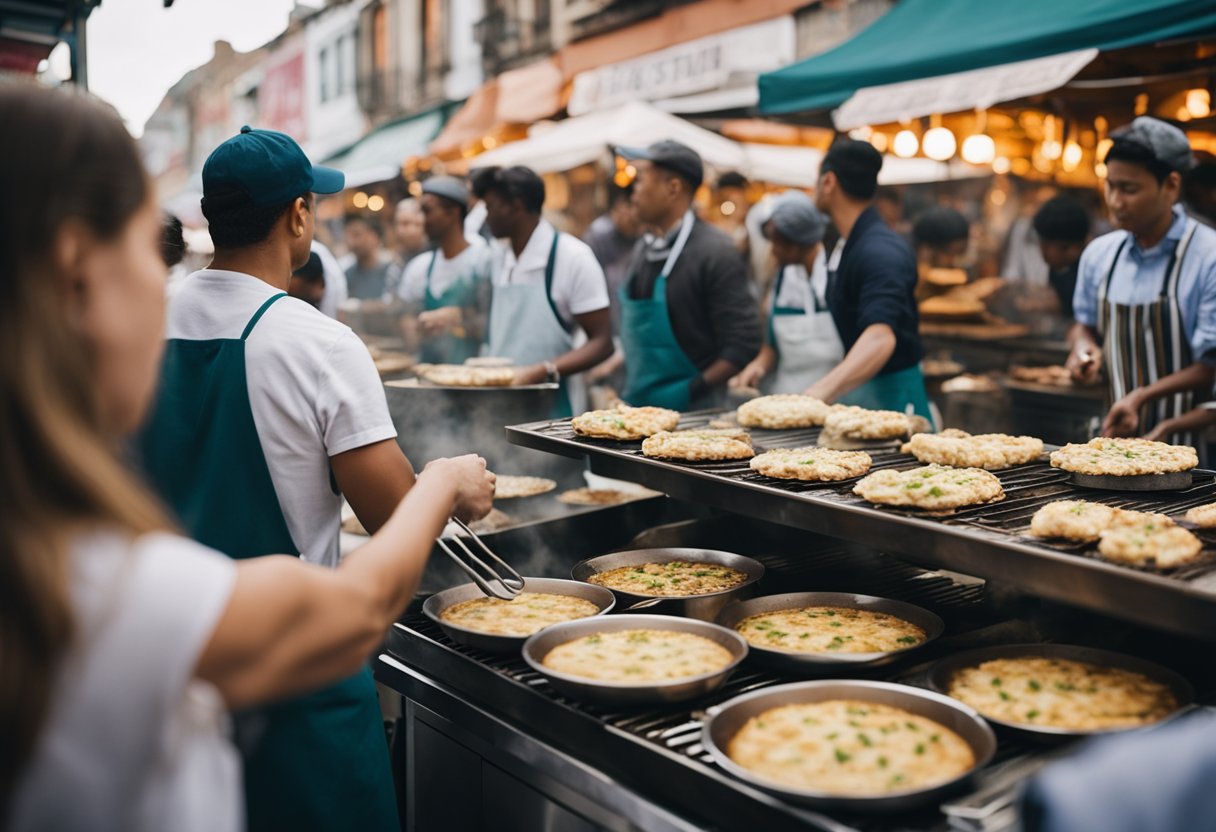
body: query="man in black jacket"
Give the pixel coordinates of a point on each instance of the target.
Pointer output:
(871, 285)
(688, 321)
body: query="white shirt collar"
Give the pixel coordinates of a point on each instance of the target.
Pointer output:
(535, 255)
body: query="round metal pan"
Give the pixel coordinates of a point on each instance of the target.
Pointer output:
(434, 606)
(611, 693)
(944, 670)
(1175, 481)
(703, 607)
(795, 662)
(729, 718)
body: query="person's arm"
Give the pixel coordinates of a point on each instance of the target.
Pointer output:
(598, 326)
(733, 319)
(290, 626)
(870, 353)
(1085, 357)
(374, 479)
(1124, 416)
(1193, 421)
(757, 369)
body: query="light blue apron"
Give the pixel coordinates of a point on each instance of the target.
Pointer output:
(312, 763)
(525, 327)
(658, 373)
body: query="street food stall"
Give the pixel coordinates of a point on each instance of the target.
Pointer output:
(490, 729)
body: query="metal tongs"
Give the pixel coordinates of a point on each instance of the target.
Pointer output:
(499, 581)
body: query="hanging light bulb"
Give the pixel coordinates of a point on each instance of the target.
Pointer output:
(1001, 165)
(1103, 148)
(862, 134)
(1051, 150)
(1198, 103)
(940, 143)
(359, 200)
(979, 149)
(1071, 157)
(905, 144)
(880, 141)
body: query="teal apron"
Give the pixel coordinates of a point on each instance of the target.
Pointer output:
(448, 348)
(525, 327)
(315, 762)
(658, 373)
(893, 391)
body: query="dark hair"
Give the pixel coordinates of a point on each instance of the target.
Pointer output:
(1203, 175)
(478, 180)
(371, 224)
(1134, 153)
(312, 271)
(732, 179)
(517, 183)
(172, 243)
(235, 222)
(618, 194)
(940, 226)
(1062, 218)
(64, 156)
(856, 165)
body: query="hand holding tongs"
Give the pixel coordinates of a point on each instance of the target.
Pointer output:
(499, 581)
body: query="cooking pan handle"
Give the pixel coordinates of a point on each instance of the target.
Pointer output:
(499, 580)
(644, 605)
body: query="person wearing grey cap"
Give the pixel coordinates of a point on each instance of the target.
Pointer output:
(448, 286)
(688, 318)
(1145, 302)
(802, 343)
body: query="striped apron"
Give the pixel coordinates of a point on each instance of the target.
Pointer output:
(1146, 342)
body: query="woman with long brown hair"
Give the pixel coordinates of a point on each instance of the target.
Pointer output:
(122, 644)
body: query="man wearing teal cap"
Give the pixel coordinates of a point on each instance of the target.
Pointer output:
(268, 413)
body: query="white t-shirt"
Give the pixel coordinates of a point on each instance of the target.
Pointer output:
(579, 286)
(313, 389)
(472, 263)
(133, 742)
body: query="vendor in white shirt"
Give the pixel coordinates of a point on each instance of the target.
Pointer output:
(802, 344)
(447, 286)
(549, 308)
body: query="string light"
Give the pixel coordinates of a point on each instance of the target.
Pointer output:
(979, 149)
(906, 144)
(939, 143)
(1001, 165)
(375, 202)
(359, 200)
(1071, 157)
(1198, 103)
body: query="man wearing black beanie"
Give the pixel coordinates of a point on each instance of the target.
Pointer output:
(871, 285)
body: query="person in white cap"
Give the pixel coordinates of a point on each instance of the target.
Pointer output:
(802, 343)
(1145, 303)
(448, 286)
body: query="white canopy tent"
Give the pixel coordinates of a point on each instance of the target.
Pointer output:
(587, 138)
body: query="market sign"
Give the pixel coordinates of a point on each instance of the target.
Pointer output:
(976, 89)
(700, 65)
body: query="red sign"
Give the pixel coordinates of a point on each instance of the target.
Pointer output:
(281, 97)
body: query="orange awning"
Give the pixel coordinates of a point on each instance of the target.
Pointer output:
(518, 96)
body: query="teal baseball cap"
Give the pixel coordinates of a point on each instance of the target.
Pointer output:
(268, 167)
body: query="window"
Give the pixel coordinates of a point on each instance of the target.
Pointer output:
(340, 66)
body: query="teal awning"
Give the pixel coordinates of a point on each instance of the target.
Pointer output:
(378, 155)
(927, 38)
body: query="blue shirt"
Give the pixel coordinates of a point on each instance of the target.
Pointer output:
(1139, 274)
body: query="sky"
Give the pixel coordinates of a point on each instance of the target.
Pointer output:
(138, 48)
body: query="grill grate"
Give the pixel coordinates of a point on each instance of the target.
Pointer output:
(676, 729)
(1027, 488)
